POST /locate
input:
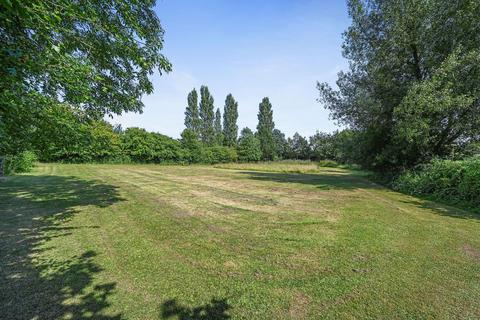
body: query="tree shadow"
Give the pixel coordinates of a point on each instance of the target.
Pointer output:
(351, 182)
(41, 286)
(444, 209)
(342, 181)
(215, 310)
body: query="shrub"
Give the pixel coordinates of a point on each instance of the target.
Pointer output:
(453, 181)
(147, 147)
(23, 162)
(249, 147)
(327, 163)
(218, 154)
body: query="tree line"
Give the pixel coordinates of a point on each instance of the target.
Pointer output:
(411, 93)
(204, 128)
(67, 134)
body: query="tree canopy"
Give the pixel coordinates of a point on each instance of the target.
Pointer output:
(248, 146)
(93, 56)
(265, 129)
(230, 116)
(218, 127)
(413, 72)
(192, 120)
(207, 115)
(96, 54)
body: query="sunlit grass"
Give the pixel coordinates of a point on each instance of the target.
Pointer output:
(256, 241)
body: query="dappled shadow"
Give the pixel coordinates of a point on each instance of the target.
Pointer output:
(343, 181)
(33, 211)
(215, 310)
(444, 209)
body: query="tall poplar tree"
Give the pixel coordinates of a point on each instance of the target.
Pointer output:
(230, 116)
(191, 113)
(207, 131)
(218, 127)
(265, 129)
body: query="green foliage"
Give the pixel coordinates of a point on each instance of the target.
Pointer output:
(218, 154)
(248, 146)
(281, 145)
(192, 146)
(265, 129)
(412, 90)
(334, 164)
(192, 120)
(65, 134)
(96, 55)
(442, 111)
(322, 146)
(196, 152)
(148, 147)
(230, 116)
(456, 182)
(218, 128)
(22, 162)
(467, 150)
(207, 131)
(328, 163)
(299, 147)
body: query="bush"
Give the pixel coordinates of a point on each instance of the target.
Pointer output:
(249, 148)
(65, 135)
(142, 146)
(457, 182)
(328, 163)
(217, 154)
(23, 162)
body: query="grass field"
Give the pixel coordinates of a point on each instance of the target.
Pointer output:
(286, 241)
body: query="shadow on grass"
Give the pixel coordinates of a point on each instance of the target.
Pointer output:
(444, 209)
(321, 181)
(352, 182)
(33, 210)
(215, 310)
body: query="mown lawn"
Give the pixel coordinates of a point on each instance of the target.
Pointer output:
(199, 242)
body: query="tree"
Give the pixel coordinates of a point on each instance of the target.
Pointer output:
(299, 147)
(322, 146)
(192, 119)
(67, 134)
(402, 53)
(218, 127)
(281, 144)
(248, 146)
(230, 116)
(451, 100)
(95, 56)
(192, 145)
(207, 131)
(265, 129)
(145, 147)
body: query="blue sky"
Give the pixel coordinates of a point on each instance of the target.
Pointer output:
(251, 49)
